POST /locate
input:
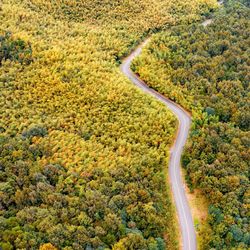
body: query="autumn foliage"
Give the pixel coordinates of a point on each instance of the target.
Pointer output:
(82, 151)
(206, 69)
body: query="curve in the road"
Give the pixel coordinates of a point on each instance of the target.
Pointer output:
(184, 214)
(181, 202)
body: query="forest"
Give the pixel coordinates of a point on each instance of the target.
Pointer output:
(83, 153)
(206, 70)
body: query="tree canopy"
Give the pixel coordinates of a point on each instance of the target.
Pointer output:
(83, 153)
(206, 69)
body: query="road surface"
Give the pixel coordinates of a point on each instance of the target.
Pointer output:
(184, 213)
(181, 202)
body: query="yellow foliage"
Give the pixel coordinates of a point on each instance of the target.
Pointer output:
(120, 245)
(47, 246)
(94, 116)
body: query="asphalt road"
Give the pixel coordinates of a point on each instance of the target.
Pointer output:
(184, 214)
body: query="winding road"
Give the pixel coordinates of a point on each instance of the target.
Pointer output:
(181, 202)
(184, 214)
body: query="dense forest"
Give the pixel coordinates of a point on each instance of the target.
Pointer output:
(83, 153)
(206, 70)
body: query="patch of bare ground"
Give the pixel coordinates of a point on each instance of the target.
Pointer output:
(199, 207)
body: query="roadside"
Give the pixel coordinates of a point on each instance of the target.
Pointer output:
(198, 206)
(192, 201)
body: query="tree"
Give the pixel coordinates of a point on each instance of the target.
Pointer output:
(47, 246)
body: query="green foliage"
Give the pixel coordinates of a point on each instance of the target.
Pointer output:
(38, 131)
(14, 49)
(49, 202)
(160, 244)
(82, 151)
(206, 69)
